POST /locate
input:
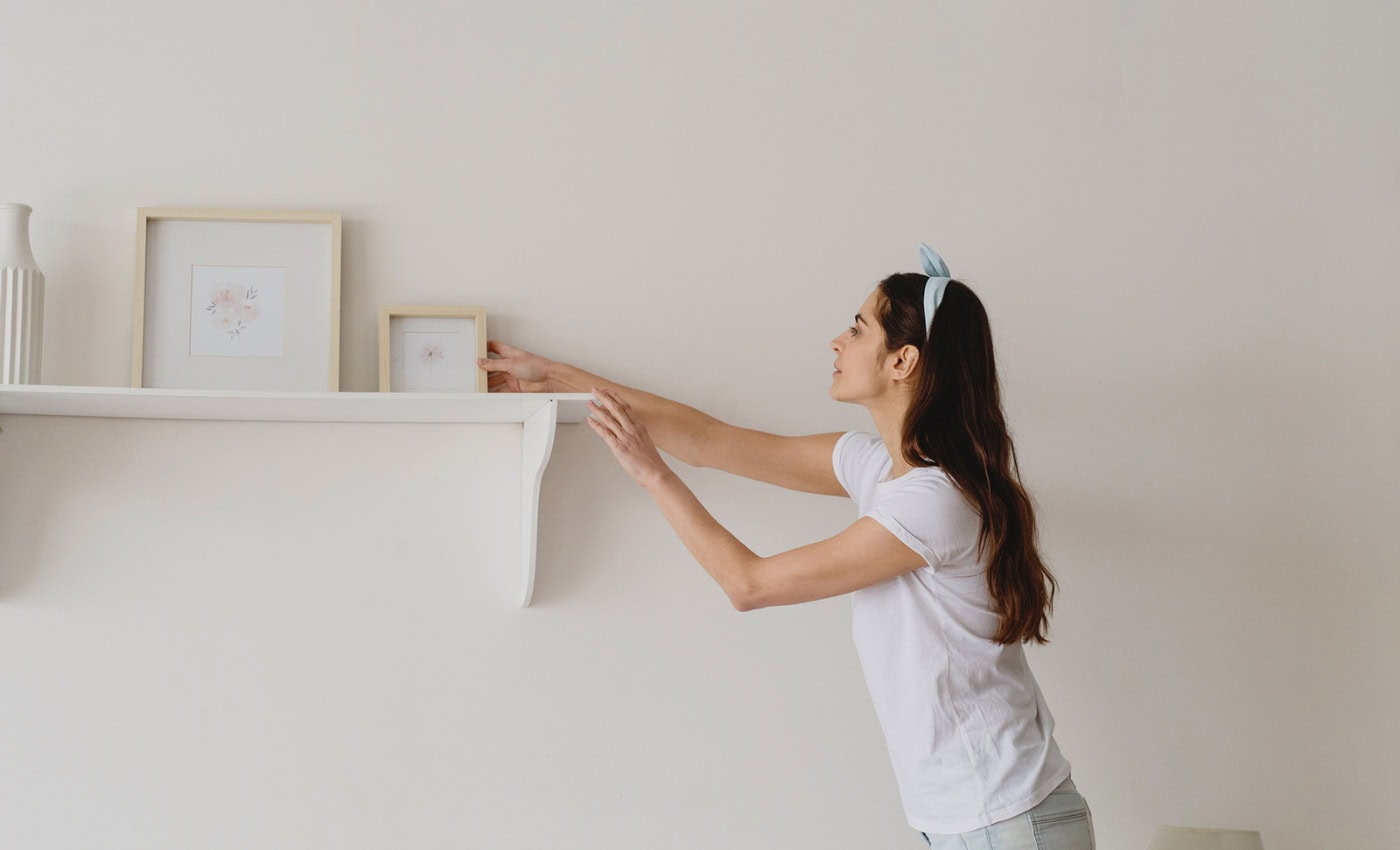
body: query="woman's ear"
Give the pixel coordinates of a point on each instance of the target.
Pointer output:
(906, 361)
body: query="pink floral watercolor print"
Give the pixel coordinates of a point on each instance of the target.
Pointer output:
(432, 353)
(430, 360)
(237, 311)
(232, 308)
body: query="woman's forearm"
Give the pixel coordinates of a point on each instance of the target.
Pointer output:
(677, 429)
(728, 561)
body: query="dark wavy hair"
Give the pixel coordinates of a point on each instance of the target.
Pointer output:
(955, 422)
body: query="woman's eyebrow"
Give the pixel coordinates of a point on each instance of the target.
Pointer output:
(859, 320)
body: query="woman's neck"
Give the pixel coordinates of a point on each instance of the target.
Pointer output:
(889, 422)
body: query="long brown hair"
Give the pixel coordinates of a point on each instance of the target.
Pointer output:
(955, 422)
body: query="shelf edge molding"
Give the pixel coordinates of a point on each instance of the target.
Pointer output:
(250, 406)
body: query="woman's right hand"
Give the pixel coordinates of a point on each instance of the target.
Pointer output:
(516, 370)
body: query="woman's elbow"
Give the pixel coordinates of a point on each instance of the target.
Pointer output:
(749, 585)
(745, 596)
(755, 593)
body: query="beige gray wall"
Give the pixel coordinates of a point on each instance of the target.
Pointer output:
(1184, 220)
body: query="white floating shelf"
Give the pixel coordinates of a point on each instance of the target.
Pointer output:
(237, 405)
(536, 413)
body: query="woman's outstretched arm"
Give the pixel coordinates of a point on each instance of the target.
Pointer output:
(678, 429)
(696, 438)
(866, 553)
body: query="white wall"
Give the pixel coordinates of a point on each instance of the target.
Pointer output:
(1182, 217)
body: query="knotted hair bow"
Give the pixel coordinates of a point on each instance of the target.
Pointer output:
(938, 277)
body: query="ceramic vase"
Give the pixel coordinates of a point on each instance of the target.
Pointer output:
(21, 299)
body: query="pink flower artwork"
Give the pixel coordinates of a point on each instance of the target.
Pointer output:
(231, 308)
(432, 353)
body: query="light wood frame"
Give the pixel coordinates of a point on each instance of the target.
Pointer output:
(408, 311)
(145, 215)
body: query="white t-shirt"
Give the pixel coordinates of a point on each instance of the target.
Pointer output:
(969, 734)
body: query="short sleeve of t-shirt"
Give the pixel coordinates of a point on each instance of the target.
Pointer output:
(923, 508)
(857, 460)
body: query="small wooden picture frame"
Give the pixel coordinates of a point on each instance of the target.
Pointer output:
(428, 349)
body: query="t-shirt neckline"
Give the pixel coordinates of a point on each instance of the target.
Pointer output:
(889, 465)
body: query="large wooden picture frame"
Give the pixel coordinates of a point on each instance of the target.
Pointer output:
(232, 299)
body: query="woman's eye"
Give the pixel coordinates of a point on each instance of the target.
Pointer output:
(853, 330)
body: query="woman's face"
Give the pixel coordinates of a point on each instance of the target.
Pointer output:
(860, 356)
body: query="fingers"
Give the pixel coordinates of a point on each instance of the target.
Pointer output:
(502, 365)
(499, 377)
(501, 348)
(604, 417)
(611, 428)
(618, 410)
(609, 420)
(602, 431)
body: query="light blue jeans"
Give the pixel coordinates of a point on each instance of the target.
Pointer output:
(1061, 822)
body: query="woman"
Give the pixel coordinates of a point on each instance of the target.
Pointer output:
(946, 578)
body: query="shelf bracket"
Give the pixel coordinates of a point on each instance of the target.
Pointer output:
(537, 441)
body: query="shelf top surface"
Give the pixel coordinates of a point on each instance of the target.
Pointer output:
(242, 405)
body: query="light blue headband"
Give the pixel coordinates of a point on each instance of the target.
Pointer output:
(938, 278)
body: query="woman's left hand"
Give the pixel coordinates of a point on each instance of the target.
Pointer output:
(612, 419)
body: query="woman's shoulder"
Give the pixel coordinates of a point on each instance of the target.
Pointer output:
(860, 449)
(860, 461)
(863, 439)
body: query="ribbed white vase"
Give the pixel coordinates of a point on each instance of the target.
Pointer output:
(21, 298)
